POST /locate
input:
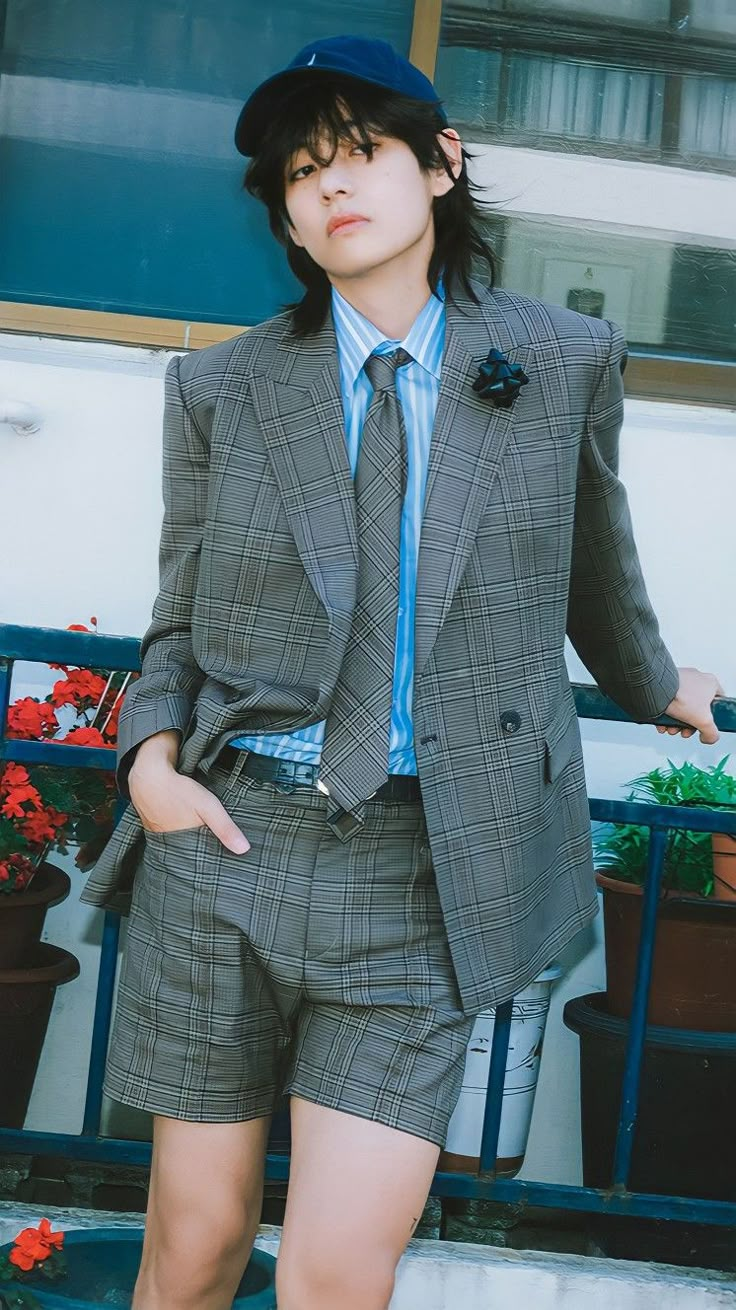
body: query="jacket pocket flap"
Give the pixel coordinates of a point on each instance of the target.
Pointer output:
(561, 738)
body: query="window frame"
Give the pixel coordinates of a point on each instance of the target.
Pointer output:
(648, 376)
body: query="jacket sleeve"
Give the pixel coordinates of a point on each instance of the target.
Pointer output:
(164, 695)
(610, 620)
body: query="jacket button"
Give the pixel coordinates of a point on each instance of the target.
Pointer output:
(510, 721)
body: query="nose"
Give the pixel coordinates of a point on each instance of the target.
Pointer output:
(334, 180)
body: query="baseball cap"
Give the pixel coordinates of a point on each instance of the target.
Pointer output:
(359, 57)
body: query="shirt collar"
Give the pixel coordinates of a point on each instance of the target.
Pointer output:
(357, 337)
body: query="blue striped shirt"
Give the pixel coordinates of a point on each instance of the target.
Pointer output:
(418, 388)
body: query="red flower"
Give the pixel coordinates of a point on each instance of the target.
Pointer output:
(35, 1244)
(80, 685)
(84, 737)
(12, 807)
(30, 719)
(13, 775)
(17, 867)
(41, 825)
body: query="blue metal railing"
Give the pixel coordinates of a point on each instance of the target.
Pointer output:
(122, 653)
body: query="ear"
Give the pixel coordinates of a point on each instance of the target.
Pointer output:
(452, 147)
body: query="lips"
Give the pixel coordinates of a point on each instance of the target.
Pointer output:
(339, 221)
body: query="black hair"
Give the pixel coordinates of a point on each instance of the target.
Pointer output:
(331, 109)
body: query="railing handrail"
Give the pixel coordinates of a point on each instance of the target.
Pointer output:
(122, 653)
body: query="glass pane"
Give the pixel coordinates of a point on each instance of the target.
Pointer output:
(713, 16)
(565, 99)
(121, 186)
(708, 119)
(667, 296)
(469, 84)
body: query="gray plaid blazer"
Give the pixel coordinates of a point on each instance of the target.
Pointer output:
(526, 536)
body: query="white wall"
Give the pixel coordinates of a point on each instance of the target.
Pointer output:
(693, 207)
(82, 510)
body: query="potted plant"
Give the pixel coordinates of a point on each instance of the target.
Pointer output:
(694, 971)
(43, 809)
(689, 1062)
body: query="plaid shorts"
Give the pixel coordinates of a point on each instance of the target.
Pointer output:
(308, 966)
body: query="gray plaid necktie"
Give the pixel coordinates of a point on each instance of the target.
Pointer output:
(354, 761)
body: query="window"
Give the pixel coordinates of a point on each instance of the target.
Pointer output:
(121, 186)
(650, 79)
(606, 135)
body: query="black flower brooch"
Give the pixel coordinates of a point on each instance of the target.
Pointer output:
(498, 380)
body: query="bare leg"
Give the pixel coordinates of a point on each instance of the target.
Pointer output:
(356, 1192)
(204, 1207)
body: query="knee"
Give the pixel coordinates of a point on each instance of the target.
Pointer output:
(330, 1279)
(181, 1265)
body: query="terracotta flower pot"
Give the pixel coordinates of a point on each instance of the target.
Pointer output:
(724, 866)
(22, 914)
(694, 969)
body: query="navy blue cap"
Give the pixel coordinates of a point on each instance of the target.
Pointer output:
(359, 57)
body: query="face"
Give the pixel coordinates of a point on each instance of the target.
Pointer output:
(366, 207)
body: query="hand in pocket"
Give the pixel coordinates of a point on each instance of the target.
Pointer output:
(166, 801)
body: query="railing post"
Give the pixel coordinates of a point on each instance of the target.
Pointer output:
(494, 1095)
(639, 1007)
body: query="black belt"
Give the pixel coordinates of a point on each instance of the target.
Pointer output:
(290, 774)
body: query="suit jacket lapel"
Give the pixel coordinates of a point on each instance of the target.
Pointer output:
(467, 447)
(300, 412)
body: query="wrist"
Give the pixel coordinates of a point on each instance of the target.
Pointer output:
(156, 754)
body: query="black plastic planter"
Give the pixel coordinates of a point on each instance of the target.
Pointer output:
(26, 998)
(684, 1142)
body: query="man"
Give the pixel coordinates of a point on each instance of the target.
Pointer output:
(353, 753)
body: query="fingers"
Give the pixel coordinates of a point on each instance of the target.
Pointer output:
(709, 733)
(672, 732)
(219, 822)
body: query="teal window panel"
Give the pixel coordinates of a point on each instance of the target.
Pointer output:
(121, 186)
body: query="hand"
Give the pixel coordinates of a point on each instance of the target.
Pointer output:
(166, 801)
(692, 705)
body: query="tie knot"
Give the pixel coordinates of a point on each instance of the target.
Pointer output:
(381, 369)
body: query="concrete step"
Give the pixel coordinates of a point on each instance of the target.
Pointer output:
(467, 1276)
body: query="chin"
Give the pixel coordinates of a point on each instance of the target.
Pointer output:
(359, 263)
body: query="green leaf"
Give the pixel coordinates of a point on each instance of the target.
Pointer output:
(621, 849)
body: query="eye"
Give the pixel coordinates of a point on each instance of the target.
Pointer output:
(366, 148)
(303, 171)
